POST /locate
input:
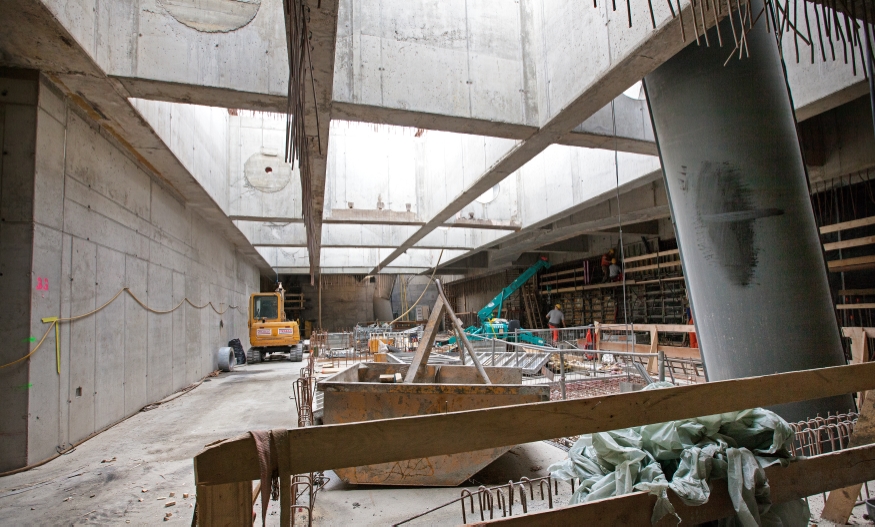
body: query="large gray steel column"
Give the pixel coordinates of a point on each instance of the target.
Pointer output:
(738, 191)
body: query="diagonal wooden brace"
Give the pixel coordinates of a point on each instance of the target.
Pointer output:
(423, 349)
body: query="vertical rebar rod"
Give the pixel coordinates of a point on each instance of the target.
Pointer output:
(869, 65)
(562, 374)
(661, 361)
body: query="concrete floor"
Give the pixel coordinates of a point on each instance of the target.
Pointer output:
(153, 450)
(102, 481)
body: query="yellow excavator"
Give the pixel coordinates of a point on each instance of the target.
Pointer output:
(269, 331)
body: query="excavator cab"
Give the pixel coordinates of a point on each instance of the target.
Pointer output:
(269, 331)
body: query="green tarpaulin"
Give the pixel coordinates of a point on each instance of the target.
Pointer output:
(683, 456)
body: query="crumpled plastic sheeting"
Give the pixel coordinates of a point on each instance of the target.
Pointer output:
(683, 456)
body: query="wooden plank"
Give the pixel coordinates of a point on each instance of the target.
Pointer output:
(556, 274)
(840, 503)
(855, 292)
(845, 307)
(859, 263)
(561, 281)
(847, 244)
(675, 328)
(657, 280)
(587, 287)
(354, 444)
(650, 256)
(652, 267)
(423, 349)
(620, 347)
(845, 225)
(225, 505)
(805, 477)
(653, 362)
(676, 352)
(662, 328)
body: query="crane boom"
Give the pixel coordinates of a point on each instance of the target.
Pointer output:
(485, 314)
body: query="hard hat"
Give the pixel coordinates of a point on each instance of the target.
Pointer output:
(558, 306)
(611, 251)
(613, 260)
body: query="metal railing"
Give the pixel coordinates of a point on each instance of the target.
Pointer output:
(573, 364)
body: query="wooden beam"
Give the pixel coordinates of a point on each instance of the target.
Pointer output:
(847, 244)
(805, 477)
(228, 504)
(650, 256)
(845, 307)
(856, 292)
(423, 349)
(354, 444)
(561, 281)
(559, 273)
(859, 263)
(662, 265)
(662, 328)
(657, 280)
(845, 225)
(587, 287)
(676, 352)
(840, 503)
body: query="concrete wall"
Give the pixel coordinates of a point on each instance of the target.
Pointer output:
(100, 223)
(457, 58)
(394, 174)
(576, 44)
(415, 286)
(256, 144)
(198, 137)
(562, 177)
(839, 142)
(18, 124)
(346, 301)
(148, 39)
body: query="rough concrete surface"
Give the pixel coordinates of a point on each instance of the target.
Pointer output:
(815, 504)
(153, 450)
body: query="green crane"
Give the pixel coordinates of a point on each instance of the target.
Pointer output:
(497, 327)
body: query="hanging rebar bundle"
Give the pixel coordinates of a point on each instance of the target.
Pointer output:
(298, 35)
(847, 23)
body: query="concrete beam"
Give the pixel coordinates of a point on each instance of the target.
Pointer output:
(359, 258)
(317, 118)
(204, 95)
(541, 238)
(817, 85)
(593, 76)
(32, 36)
(263, 234)
(353, 270)
(630, 119)
(430, 121)
(642, 200)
